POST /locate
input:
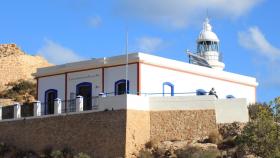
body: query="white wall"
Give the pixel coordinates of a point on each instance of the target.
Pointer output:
(132, 102)
(52, 82)
(226, 110)
(153, 77)
(112, 102)
(136, 102)
(92, 76)
(231, 110)
(145, 103)
(113, 74)
(182, 103)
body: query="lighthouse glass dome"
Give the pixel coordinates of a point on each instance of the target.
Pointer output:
(208, 43)
(204, 46)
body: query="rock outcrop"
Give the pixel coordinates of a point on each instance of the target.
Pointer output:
(16, 64)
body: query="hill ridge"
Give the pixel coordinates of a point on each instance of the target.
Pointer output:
(16, 64)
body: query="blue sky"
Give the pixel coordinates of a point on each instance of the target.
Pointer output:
(68, 30)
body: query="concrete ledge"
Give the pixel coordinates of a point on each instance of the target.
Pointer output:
(182, 103)
(231, 110)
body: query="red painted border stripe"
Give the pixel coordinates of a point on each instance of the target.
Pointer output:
(103, 79)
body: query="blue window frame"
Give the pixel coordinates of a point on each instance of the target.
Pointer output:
(85, 89)
(120, 87)
(201, 92)
(50, 96)
(171, 88)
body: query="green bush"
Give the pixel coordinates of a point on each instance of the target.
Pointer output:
(57, 154)
(255, 109)
(82, 155)
(20, 91)
(261, 135)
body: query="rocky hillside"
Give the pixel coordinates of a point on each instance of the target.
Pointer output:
(16, 64)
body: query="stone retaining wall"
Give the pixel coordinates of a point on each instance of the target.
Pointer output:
(137, 131)
(182, 125)
(110, 134)
(100, 134)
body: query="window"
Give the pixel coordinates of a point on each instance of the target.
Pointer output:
(50, 96)
(167, 89)
(201, 92)
(120, 87)
(84, 89)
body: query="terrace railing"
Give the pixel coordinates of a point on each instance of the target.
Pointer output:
(59, 106)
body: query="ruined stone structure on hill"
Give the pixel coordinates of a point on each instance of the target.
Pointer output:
(16, 64)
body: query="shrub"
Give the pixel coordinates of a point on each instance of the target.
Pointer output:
(255, 109)
(20, 91)
(150, 144)
(260, 136)
(57, 154)
(82, 155)
(214, 137)
(143, 153)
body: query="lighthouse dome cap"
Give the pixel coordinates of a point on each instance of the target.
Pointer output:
(207, 34)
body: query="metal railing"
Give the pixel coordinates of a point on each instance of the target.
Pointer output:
(9, 111)
(70, 106)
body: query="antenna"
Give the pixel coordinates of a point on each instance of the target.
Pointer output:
(207, 13)
(126, 65)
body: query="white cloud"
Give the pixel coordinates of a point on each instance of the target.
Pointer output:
(180, 13)
(149, 44)
(267, 59)
(255, 40)
(57, 54)
(95, 21)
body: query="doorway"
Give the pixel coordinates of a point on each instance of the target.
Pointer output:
(85, 90)
(50, 96)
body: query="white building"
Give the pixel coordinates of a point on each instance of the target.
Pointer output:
(146, 75)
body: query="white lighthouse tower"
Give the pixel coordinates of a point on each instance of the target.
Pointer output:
(208, 46)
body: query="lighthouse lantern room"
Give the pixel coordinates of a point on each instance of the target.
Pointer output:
(208, 46)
